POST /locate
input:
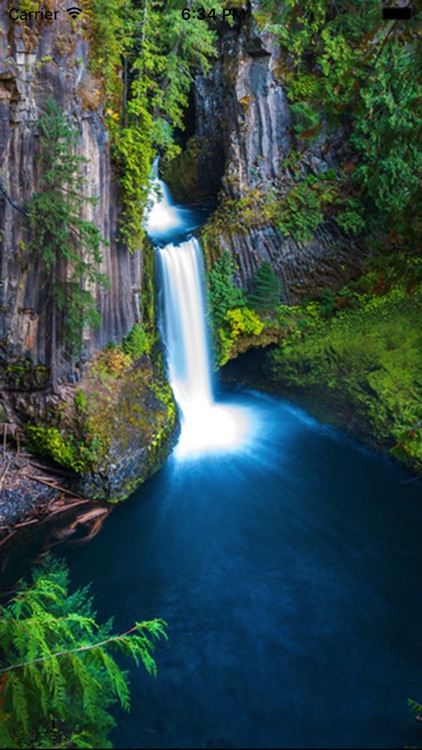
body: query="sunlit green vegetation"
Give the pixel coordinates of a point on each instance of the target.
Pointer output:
(58, 675)
(145, 54)
(361, 356)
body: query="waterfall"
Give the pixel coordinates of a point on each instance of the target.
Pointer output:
(185, 332)
(207, 425)
(162, 215)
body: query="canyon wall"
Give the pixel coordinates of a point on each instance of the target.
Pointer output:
(40, 59)
(242, 136)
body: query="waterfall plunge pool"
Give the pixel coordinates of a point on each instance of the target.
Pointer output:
(286, 559)
(289, 574)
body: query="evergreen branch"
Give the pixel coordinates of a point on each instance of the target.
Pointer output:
(58, 654)
(372, 68)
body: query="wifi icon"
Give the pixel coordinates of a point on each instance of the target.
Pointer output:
(74, 12)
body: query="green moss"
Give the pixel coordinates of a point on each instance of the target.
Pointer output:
(23, 376)
(369, 359)
(116, 430)
(63, 447)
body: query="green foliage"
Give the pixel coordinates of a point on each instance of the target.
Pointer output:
(68, 246)
(242, 328)
(387, 132)
(297, 210)
(266, 289)
(58, 677)
(368, 356)
(80, 400)
(159, 52)
(63, 447)
(353, 69)
(223, 294)
(136, 342)
(27, 6)
(231, 319)
(306, 120)
(351, 219)
(243, 320)
(304, 207)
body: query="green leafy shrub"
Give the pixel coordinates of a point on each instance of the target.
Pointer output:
(136, 342)
(243, 320)
(58, 677)
(305, 206)
(306, 120)
(239, 325)
(223, 294)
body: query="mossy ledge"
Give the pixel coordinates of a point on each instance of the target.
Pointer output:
(360, 370)
(113, 430)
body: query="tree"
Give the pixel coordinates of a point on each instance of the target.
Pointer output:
(68, 246)
(363, 73)
(266, 289)
(57, 676)
(160, 51)
(223, 293)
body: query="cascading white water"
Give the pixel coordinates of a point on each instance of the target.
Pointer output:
(206, 424)
(162, 216)
(184, 326)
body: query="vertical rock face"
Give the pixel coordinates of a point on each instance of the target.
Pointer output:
(40, 59)
(242, 113)
(243, 134)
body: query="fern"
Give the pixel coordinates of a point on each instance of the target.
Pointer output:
(57, 675)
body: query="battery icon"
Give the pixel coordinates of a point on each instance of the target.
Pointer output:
(397, 14)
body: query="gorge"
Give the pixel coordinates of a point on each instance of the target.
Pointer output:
(288, 558)
(164, 321)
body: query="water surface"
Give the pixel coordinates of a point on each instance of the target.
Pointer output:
(289, 573)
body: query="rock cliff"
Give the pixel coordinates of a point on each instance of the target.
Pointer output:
(40, 59)
(243, 133)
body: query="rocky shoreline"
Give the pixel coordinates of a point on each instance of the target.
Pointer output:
(27, 487)
(39, 510)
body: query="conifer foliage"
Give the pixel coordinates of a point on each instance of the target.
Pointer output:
(224, 295)
(67, 246)
(160, 51)
(266, 292)
(57, 675)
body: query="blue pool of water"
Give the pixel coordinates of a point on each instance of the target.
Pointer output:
(289, 573)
